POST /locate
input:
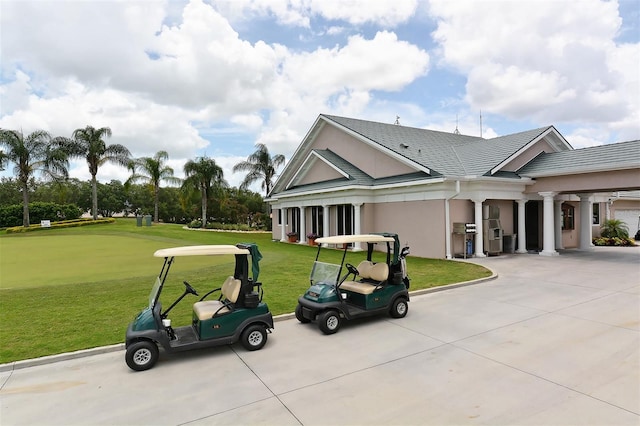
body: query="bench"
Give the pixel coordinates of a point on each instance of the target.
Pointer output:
(206, 309)
(372, 275)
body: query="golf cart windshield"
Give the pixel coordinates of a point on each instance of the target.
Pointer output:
(154, 292)
(326, 273)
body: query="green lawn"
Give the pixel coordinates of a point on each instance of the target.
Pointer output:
(77, 288)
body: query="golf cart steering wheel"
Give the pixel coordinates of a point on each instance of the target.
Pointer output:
(190, 289)
(352, 269)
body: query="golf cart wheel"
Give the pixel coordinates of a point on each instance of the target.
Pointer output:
(142, 355)
(329, 322)
(254, 337)
(299, 315)
(399, 308)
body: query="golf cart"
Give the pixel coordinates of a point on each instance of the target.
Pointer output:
(373, 288)
(235, 311)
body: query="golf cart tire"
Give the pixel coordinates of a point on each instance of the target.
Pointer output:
(329, 322)
(399, 308)
(254, 337)
(142, 355)
(299, 315)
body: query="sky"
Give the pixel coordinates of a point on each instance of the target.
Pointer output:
(214, 77)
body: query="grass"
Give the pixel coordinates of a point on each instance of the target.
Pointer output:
(77, 288)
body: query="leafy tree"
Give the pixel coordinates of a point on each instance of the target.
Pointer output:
(38, 152)
(112, 198)
(260, 166)
(203, 175)
(152, 171)
(614, 228)
(10, 190)
(88, 143)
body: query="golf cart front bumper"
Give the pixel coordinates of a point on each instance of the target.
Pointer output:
(311, 309)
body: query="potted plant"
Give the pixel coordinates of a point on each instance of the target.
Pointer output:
(311, 238)
(293, 236)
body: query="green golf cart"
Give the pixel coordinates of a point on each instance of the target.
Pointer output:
(227, 314)
(368, 289)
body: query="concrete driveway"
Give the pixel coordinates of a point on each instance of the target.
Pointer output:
(552, 340)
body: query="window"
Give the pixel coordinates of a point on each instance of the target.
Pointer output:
(295, 220)
(568, 215)
(317, 220)
(345, 219)
(596, 214)
(279, 216)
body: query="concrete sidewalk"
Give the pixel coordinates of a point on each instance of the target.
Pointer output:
(552, 340)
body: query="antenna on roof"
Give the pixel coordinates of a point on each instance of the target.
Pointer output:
(456, 131)
(481, 123)
(397, 120)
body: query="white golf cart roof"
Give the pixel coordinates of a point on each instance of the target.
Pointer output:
(346, 239)
(209, 250)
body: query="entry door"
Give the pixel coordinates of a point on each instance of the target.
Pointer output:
(532, 224)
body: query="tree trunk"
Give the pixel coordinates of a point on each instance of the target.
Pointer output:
(204, 208)
(25, 205)
(156, 191)
(94, 196)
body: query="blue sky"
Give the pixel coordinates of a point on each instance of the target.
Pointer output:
(214, 77)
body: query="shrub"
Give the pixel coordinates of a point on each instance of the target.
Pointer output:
(195, 224)
(59, 225)
(613, 241)
(614, 228)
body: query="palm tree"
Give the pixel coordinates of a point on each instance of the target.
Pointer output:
(614, 228)
(260, 166)
(38, 152)
(88, 143)
(152, 171)
(202, 175)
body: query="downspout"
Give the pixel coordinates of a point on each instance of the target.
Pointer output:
(447, 222)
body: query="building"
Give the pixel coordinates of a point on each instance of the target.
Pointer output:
(524, 192)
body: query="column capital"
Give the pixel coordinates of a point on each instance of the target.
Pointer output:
(584, 196)
(547, 194)
(522, 201)
(478, 200)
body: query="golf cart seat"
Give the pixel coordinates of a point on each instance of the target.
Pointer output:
(206, 309)
(372, 276)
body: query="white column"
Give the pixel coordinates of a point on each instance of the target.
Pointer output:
(548, 227)
(479, 252)
(357, 225)
(557, 216)
(325, 220)
(586, 232)
(283, 225)
(303, 227)
(522, 227)
(447, 231)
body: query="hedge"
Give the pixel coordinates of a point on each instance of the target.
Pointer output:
(59, 225)
(38, 211)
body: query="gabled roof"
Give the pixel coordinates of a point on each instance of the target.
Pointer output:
(431, 153)
(623, 155)
(450, 154)
(352, 176)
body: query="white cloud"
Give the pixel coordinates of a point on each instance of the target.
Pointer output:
(385, 13)
(182, 80)
(544, 61)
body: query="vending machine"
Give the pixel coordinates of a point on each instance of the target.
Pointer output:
(491, 230)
